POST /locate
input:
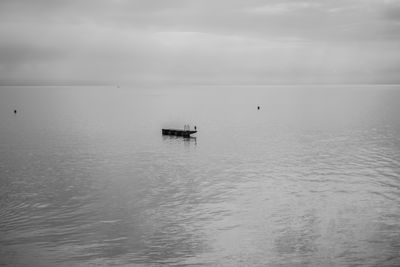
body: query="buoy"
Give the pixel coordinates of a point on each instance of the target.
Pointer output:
(258, 107)
(15, 111)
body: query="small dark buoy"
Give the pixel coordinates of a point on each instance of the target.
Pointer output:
(15, 111)
(258, 107)
(195, 128)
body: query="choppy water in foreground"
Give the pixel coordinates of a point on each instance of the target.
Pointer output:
(312, 178)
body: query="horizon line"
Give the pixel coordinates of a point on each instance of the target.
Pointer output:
(177, 83)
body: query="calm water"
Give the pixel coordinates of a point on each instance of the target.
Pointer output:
(312, 178)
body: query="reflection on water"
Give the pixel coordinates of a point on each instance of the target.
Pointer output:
(312, 178)
(176, 140)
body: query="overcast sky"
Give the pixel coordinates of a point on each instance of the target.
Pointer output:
(201, 41)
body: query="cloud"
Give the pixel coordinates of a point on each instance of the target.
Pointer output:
(201, 41)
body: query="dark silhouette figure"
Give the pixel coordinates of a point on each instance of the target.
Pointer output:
(15, 111)
(258, 107)
(195, 128)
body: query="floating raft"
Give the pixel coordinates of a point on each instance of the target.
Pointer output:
(176, 132)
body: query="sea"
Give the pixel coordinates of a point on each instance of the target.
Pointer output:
(311, 178)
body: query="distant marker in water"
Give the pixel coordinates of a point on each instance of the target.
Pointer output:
(258, 107)
(15, 111)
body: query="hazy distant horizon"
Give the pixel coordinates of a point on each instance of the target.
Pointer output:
(169, 83)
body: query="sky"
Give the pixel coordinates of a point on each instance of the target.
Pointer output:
(201, 41)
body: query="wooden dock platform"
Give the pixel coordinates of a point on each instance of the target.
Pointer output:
(177, 132)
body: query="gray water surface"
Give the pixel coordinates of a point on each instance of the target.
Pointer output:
(312, 178)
